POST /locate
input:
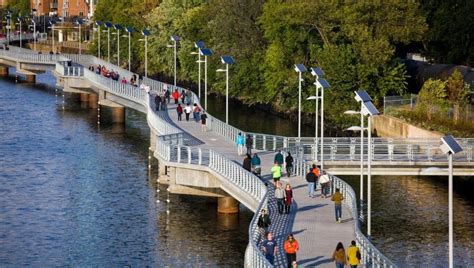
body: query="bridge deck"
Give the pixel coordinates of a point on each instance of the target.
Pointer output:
(313, 223)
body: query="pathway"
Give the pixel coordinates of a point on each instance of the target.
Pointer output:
(313, 223)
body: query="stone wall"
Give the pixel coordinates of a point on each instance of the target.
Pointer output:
(391, 127)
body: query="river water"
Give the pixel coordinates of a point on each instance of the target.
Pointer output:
(77, 194)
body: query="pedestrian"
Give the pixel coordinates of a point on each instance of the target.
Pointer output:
(337, 198)
(276, 173)
(187, 111)
(353, 255)
(249, 144)
(316, 172)
(158, 102)
(196, 112)
(168, 95)
(288, 198)
(256, 169)
(163, 103)
(179, 110)
(247, 165)
(278, 158)
(280, 197)
(203, 121)
(263, 222)
(270, 248)
(311, 179)
(183, 96)
(175, 96)
(289, 164)
(240, 141)
(291, 247)
(325, 184)
(339, 256)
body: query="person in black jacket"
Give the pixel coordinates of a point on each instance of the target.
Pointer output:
(247, 165)
(249, 144)
(158, 102)
(263, 223)
(311, 179)
(289, 164)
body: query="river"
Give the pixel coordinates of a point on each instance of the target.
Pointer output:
(77, 194)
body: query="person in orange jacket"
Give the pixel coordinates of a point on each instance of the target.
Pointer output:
(291, 247)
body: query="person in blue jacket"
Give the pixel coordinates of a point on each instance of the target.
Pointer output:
(240, 141)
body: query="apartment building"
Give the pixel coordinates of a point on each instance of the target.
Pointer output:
(64, 8)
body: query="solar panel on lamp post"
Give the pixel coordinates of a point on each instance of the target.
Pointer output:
(108, 25)
(146, 33)
(129, 30)
(175, 40)
(450, 147)
(199, 45)
(300, 69)
(205, 52)
(98, 23)
(227, 60)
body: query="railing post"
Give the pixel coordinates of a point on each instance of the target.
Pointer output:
(254, 141)
(274, 143)
(264, 142)
(200, 156)
(179, 153)
(189, 155)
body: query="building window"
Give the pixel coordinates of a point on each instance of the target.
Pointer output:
(81, 14)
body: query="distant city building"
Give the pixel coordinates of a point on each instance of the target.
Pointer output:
(63, 8)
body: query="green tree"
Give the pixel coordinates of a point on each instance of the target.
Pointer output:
(19, 6)
(457, 93)
(432, 98)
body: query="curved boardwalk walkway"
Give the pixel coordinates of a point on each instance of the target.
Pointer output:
(312, 220)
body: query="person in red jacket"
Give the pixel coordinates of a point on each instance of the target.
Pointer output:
(175, 96)
(291, 247)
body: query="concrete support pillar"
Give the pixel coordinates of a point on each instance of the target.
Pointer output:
(118, 114)
(93, 101)
(31, 78)
(84, 97)
(227, 205)
(227, 221)
(152, 141)
(3, 71)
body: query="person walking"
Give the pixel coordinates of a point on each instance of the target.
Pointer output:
(187, 111)
(240, 141)
(278, 158)
(276, 173)
(247, 165)
(263, 222)
(256, 165)
(183, 97)
(325, 184)
(289, 164)
(291, 247)
(203, 121)
(196, 111)
(270, 248)
(280, 197)
(316, 172)
(337, 198)
(168, 96)
(339, 256)
(179, 110)
(311, 179)
(353, 255)
(163, 103)
(157, 102)
(288, 198)
(249, 144)
(175, 96)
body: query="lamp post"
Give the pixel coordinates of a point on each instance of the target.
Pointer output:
(19, 20)
(367, 109)
(227, 60)
(52, 23)
(450, 147)
(300, 69)
(8, 18)
(80, 22)
(146, 33)
(98, 23)
(175, 40)
(199, 45)
(34, 34)
(118, 27)
(129, 30)
(205, 52)
(108, 25)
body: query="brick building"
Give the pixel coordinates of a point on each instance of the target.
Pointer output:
(62, 8)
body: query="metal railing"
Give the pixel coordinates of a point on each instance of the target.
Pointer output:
(371, 256)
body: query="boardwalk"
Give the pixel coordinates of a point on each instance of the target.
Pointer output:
(313, 223)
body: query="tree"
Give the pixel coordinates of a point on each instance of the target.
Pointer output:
(457, 93)
(432, 98)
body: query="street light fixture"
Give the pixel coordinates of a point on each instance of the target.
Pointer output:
(175, 40)
(205, 52)
(450, 147)
(34, 33)
(300, 69)
(146, 33)
(199, 45)
(98, 23)
(322, 84)
(80, 22)
(317, 73)
(118, 27)
(129, 30)
(52, 23)
(227, 60)
(19, 20)
(108, 25)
